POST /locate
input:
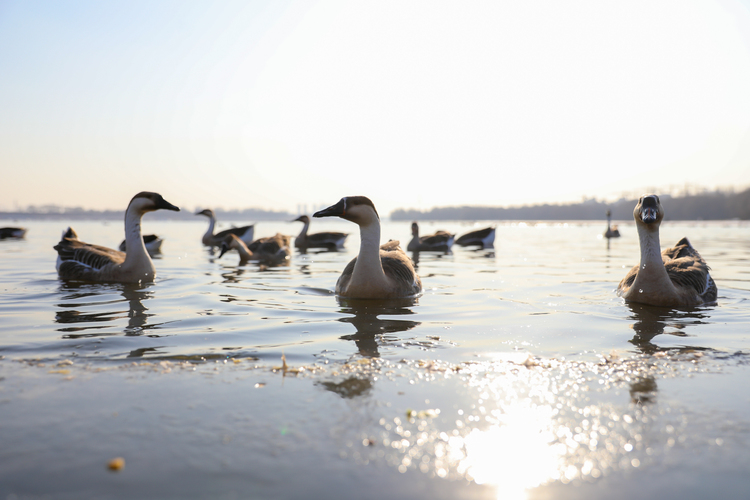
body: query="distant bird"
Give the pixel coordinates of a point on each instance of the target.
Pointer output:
(12, 232)
(483, 238)
(441, 241)
(152, 242)
(272, 249)
(611, 232)
(378, 272)
(245, 233)
(328, 240)
(676, 277)
(85, 262)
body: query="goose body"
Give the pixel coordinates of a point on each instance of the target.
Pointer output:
(270, 249)
(378, 272)
(86, 262)
(12, 232)
(329, 240)
(152, 242)
(676, 277)
(483, 238)
(245, 233)
(612, 231)
(441, 241)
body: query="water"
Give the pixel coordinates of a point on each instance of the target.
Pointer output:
(517, 374)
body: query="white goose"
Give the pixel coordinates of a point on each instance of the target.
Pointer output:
(85, 262)
(329, 240)
(210, 239)
(441, 241)
(378, 272)
(676, 277)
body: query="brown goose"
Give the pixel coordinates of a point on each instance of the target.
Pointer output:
(12, 232)
(441, 241)
(483, 238)
(329, 240)
(612, 231)
(378, 272)
(676, 277)
(270, 249)
(85, 262)
(210, 239)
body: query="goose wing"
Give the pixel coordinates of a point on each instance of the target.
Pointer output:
(237, 231)
(687, 269)
(396, 265)
(325, 239)
(478, 237)
(75, 254)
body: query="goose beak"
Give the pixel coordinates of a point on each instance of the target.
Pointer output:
(337, 210)
(648, 214)
(165, 205)
(224, 249)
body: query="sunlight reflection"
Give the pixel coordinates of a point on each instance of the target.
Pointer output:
(517, 454)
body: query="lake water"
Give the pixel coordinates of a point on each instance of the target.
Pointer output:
(517, 374)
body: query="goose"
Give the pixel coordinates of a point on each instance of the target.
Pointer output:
(329, 240)
(611, 232)
(483, 238)
(214, 240)
(85, 262)
(152, 242)
(378, 272)
(272, 248)
(676, 277)
(441, 241)
(12, 232)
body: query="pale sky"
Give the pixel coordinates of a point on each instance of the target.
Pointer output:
(416, 104)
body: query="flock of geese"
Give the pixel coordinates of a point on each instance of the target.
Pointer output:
(676, 277)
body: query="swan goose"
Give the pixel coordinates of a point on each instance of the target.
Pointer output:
(612, 231)
(676, 277)
(441, 241)
(378, 272)
(272, 248)
(214, 240)
(330, 240)
(483, 238)
(86, 262)
(12, 232)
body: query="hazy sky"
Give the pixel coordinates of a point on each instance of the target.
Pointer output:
(277, 104)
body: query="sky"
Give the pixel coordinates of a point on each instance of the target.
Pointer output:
(290, 105)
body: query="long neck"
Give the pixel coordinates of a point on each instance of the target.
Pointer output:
(136, 255)
(303, 233)
(211, 224)
(651, 270)
(245, 253)
(368, 261)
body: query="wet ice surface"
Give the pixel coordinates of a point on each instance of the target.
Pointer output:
(518, 374)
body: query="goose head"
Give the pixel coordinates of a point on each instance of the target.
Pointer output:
(207, 212)
(415, 229)
(146, 201)
(648, 212)
(358, 209)
(231, 242)
(302, 218)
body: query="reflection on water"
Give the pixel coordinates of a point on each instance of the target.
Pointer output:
(370, 329)
(651, 322)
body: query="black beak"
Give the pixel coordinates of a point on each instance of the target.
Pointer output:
(649, 209)
(224, 249)
(336, 210)
(163, 204)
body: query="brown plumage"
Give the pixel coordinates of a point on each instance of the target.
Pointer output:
(440, 241)
(330, 240)
(676, 277)
(245, 233)
(272, 249)
(483, 238)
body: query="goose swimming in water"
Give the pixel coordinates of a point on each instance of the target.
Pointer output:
(676, 277)
(612, 231)
(378, 272)
(12, 232)
(210, 239)
(329, 240)
(270, 249)
(152, 242)
(483, 238)
(85, 262)
(441, 241)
